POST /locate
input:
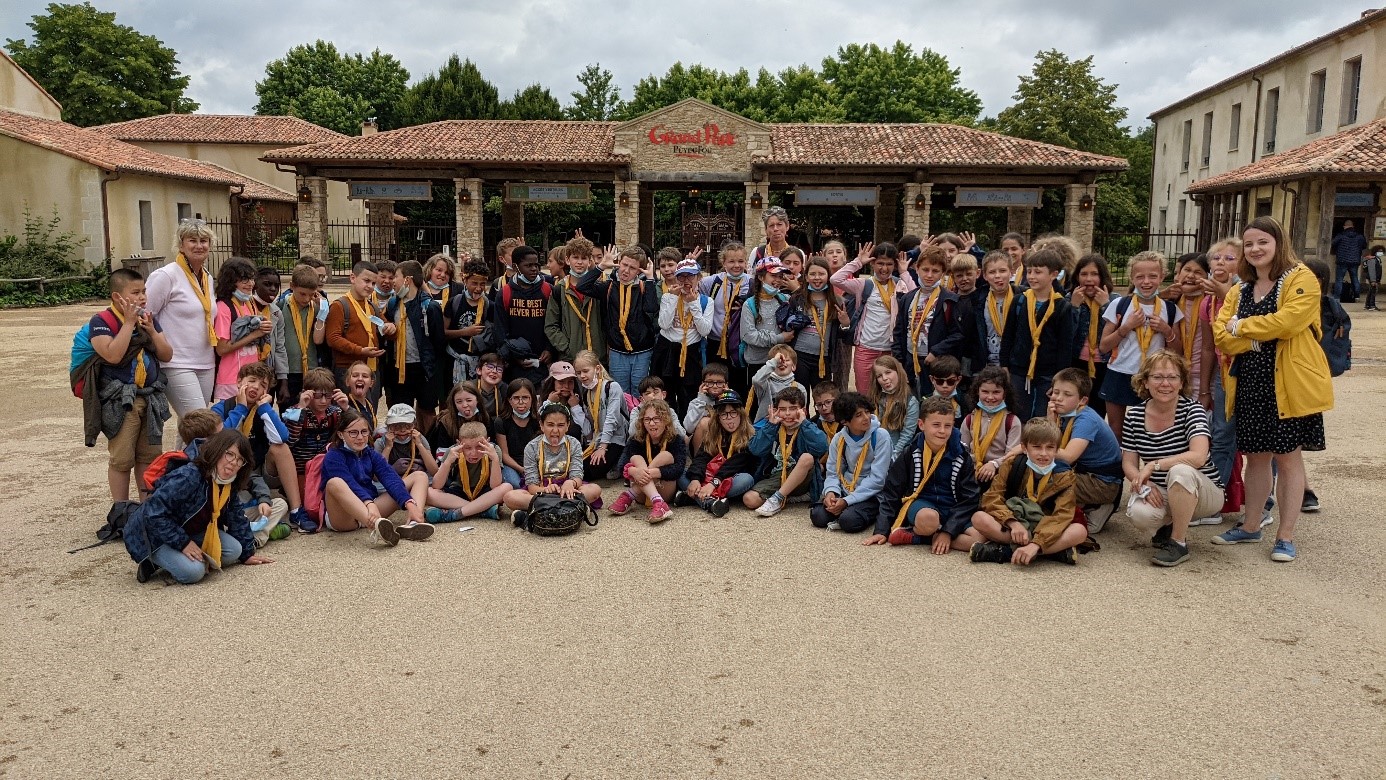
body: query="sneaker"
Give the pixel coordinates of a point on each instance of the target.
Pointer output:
(280, 531)
(491, 514)
(681, 499)
(415, 532)
(772, 506)
(719, 508)
(1310, 503)
(384, 532)
(1171, 554)
(145, 571)
(1209, 520)
(901, 536)
(623, 503)
(659, 512)
(1236, 535)
(1162, 536)
(1098, 516)
(504, 513)
(1284, 551)
(985, 552)
(834, 525)
(1266, 519)
(305, 524)
(435, 514)
(518, 517)
(1069, 556)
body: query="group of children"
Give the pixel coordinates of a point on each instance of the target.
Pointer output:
(975, 422)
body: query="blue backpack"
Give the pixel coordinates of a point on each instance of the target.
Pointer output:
(1335, 335)
(82, 350)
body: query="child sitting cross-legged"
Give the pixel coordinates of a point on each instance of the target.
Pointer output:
(553, 464)
(930, 494)
(351, 472)
(791, 446)
(656, 455)
(468, 483)
(723, 468)
(1028, 510)
(858, 460)
(404, 447)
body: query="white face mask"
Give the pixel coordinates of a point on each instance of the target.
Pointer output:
(590, 385)
(221, 481)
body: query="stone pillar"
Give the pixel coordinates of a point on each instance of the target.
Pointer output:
(1078, 224)
(312, 221)
(469, 218)
(512, 222)
(754, 233)
(887, 226)
(647, 215)
(380, 216)
(628, 215)
(1020, 219)
(917, 218)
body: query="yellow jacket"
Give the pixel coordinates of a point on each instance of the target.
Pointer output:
(1303, 384)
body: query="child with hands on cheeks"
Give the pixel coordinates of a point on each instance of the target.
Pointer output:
(469, 494)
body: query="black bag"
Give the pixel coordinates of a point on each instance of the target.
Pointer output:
(553, 515)
(114, 529)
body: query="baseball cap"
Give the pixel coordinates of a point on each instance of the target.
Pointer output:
(562, 370)
(727, 398)
(399, 413)
(770, 265)
(688, 267)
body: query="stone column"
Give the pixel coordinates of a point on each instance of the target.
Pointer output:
(312, 221)
(628, 215)
(469, 218)
(1020, 219)
(647, 215)
(916, 218)
(1078, 224)
(754, 233)
(887, 226)
(380, 216)
(512, 221)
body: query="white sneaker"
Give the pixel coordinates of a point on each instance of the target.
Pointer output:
(1209, 520)
(771, 507)
(1266, 518)
(834, 525)
(384, 532)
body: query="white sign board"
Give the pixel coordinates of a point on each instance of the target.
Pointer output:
(841, 196)
(984, 197)
(390, 190)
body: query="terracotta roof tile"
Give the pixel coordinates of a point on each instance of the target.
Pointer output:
(471, 141)
(921, 145)
(254, 189)
(1360, 149)
(220, 129)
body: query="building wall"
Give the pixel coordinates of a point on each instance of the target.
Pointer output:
(1292, 77)
(20, 94)
(47, 183)
(245, 159)
(123, 196)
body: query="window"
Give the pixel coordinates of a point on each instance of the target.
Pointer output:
(1272, 118)
(1352, 87)
(1317, 82)
(1207, 139)
(1234, 128)
(1164, 220)
(1188, 143)
(1263, 207)
(184, 211)
(146, 225)
(1183, 207)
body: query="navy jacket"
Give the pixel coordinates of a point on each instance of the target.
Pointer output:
(642, 322)
(177, 500)
(952, 489)
(1056, 340)
(945, 331)
(425, 318)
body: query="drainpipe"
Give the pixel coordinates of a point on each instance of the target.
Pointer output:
(1256, 121)
(107, 178)
(1290, 218)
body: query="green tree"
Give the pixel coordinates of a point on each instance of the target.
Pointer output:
(532, 102)
(732, 91)
(323, 86)
(98, 70)
(599, 100)
(896, 85)
(456, 91)
(800, 95)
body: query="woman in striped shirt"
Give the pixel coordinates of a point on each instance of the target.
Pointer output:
(1165, 442)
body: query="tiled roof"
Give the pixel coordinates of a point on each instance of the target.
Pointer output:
(220, 129)
(921, 145)
(254, 189)
(471, 141)
(105, 152)
(1359, 149)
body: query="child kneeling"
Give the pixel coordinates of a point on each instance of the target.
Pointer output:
(1028, 510)
(553, 464)
(471, 494)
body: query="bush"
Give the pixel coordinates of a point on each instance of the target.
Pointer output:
(45, 252)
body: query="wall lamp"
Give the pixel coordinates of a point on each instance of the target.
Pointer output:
(464, 196)
(305, 195)
(623, 199)
(921, 202)
(1085, 203)
(756, 200)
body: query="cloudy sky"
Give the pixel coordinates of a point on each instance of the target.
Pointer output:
(1156, 52)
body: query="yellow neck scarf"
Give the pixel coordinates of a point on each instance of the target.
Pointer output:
(786, 453)
(464, 476)
(1188, 329)
(685, 320)
(365, 324)
(930, 460)
(594, 403)
(303, 329)
(1036, 328)
(818, 323)
(921, 316)
(211, 538)
(624, 295)
(401, 342)
(850, 485)
(582, 307)
(480, 311)
(981, 442)
(568, 459)
(1068, 431)
(886, 292)
(1034, 488)
(1094, 318)
(730, 289)
(999, 314)
(141, 371)
(203, 290)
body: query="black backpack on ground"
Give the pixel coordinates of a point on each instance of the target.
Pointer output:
(553, 515)
(114, 529)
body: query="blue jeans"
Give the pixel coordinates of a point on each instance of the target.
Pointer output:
(1223, 449)
(187, 571)
(512, 477)
(1348, 271)
(628, 368)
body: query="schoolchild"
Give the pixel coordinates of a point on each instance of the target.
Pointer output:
(464, 318)
(604, 406)
(313, 424)
(573, 321)
(655, 460)
(553, 464)
(723, 467)
(840, 362)
(411, 359)
(821, 324)
(242, 328)
(715, 376)
(250, 412)
(897, 407)
(930, 493)
(298, 333)
(775, 375)
(685, 319)
(1088, 296)
(858, 461)
(1132, 333)
(403, 445)
(520, 308)
(989, 324)
(516, 429)
(1088, 446)
(462, 405)
(791, 446)
(354, 331)
(264, 511)
(945, 376)
(1029, 509)
(1038, 342)
(361, 490)
(652, 389)
(928, 326)
(630, 310)
(1013, 247)
(360, 383)
(728, 288)
(876, 308)
(469, 482)
(492, 384)
(825, 395)
(1190, 298)
(991, 430)
(760, 330)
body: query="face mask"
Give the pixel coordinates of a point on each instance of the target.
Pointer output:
(989, 409)
(1380, 254)
(260, 301)
(590, 386)
(241, 296)
(520, 415)
(735, 277)
(221, 481)
(1037, 468)
(525, 280)
(381, 292)
(818, 288)
(471, 297)
(434, 287)
(404, 291)
(782, 296)
(1073, 413)
(405, 440)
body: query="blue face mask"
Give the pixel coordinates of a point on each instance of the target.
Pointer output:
(525, 280)
(381, 292)
(782, 296)
(1073, 413)
(1037, 468)
(241, 296)
(818, 288)
(432, 286)
(991, 409)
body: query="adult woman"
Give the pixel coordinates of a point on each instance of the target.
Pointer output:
(1280, 385)
(192, 520)
(776, 222)
(1165, 442)
(182, 298)
(352, 469)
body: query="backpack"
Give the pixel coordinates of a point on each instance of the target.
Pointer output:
(552, 515)
(82, 350)
(115, 524)
(1335, 335)
(314, 502)
(166, 462)
(731, 324)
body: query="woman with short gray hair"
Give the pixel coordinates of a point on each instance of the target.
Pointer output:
(182, 298)
(776, 222)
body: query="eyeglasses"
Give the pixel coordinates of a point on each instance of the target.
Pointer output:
(357, 432)
(319, 395)
(716, 383)
(491, 367)
(653, 419)
(822, 404)
(1167, 378)
(231, 456)
(728, 414)
(947, 380)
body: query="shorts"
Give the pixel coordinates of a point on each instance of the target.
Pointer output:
(771, 485)
(1089, 490)
(1116, 389)
(915, 506)
(131, 446)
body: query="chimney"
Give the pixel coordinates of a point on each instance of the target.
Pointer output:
(368, 127)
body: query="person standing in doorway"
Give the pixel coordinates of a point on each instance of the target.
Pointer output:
(1348, 247)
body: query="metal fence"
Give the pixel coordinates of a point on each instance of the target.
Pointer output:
(263, 243)
(1119, 248)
